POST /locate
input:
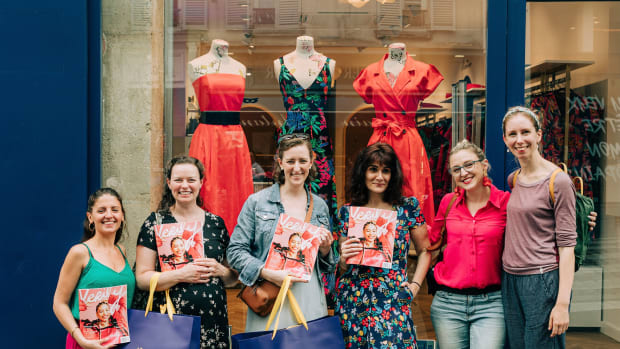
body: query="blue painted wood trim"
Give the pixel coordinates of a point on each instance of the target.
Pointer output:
(94, 96)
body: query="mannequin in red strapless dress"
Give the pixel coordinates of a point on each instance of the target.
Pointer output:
(396, 96)
(219, 142)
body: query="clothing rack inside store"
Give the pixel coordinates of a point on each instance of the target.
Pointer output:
(429, 114)
(546, 72)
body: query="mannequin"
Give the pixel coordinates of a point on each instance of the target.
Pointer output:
(304, 63)
(395, 62)
(305, 79)
(219, 142)
(215, 61)
(396, 85)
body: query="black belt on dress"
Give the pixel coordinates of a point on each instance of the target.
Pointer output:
(220, 117)
(470, 291)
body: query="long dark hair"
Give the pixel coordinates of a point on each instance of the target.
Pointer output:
(167, 200)
(286, 144)
(88, 232)
(383, 154)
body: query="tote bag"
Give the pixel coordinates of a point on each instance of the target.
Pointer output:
(324, 333)
(149, 329)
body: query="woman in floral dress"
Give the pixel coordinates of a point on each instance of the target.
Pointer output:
(374, 304)
(198, 287)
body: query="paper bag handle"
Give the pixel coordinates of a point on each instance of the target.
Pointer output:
(277, 307)
(164, 307)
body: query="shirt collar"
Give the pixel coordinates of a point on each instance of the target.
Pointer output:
(274, 195)
(494, 197)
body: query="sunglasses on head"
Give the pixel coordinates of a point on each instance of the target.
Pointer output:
(293, 136)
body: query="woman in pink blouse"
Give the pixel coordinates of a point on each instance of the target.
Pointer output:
(467, 308)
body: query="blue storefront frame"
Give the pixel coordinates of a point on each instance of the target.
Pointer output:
(51, 140)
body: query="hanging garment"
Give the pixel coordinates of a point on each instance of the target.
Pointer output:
(394, 122)
(220, 144)
(305, 113)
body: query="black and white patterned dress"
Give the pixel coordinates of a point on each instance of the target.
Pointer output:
(205, 300)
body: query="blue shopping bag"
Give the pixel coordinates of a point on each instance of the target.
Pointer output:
(323, 333)
(148, 329)
(157, 331)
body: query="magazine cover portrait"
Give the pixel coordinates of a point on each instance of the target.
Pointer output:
(178, 244)
(103, 314)
(294, 247)
(375, 228)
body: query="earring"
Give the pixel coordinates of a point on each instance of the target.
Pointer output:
(486, 181)
(91, 226)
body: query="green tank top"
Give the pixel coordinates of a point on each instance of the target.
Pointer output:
(97, 275)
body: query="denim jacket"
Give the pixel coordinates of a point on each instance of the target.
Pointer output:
(250, 242)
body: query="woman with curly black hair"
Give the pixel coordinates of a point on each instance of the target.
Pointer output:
(374, 303)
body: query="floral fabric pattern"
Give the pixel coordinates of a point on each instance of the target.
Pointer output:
(206, 300)
(374, 310)
(305, 113)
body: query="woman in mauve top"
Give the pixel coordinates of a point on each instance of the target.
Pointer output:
(539, 255)
(467, 308)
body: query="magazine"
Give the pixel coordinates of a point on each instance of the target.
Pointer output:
(376, 229)
(178, 244)
(294, 247)
(103, 314)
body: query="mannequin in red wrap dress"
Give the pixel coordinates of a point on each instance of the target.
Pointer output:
(396, 96)
(219, 142)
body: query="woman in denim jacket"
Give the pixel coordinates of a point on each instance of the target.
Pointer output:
(251, 239)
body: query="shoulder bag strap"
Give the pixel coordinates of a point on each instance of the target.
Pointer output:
(309, 211)
(442, 238)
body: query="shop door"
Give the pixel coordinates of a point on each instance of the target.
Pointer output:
(44, 142)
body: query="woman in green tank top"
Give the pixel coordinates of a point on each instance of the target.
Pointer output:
(97, 262)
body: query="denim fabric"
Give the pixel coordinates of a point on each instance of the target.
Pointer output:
(251, 239)
(528, 301)
(468, 321)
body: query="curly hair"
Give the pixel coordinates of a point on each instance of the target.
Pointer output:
(378, 153)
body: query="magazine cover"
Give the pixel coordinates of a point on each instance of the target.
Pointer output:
(375, 228)
(178, 244)
(103, 314)
(294, 247)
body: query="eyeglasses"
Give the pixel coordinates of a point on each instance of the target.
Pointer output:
(468, 166)
(290, 136)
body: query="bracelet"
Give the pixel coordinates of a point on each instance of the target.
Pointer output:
(417, 283)
(73, 330)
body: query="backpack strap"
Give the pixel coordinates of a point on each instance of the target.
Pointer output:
(551, 182)
(514, 178)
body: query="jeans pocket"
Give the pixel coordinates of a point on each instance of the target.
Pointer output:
(549, 281)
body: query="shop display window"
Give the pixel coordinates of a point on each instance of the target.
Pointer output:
(572, 83)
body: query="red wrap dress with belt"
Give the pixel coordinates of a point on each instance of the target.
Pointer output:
(220, 144)
(394, 121)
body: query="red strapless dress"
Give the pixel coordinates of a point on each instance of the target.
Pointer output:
(223, 149)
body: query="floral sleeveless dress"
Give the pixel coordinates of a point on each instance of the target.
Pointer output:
(305, 113)
(374, 309)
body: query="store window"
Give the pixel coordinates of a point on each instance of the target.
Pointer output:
(573, 82)
(450, 35)
(164, 94)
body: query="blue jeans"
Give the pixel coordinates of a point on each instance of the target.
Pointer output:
(468, 321)
(528, 301)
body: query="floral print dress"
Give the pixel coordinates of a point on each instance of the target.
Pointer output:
(206, 300)
(374, 310)
(305, 113)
